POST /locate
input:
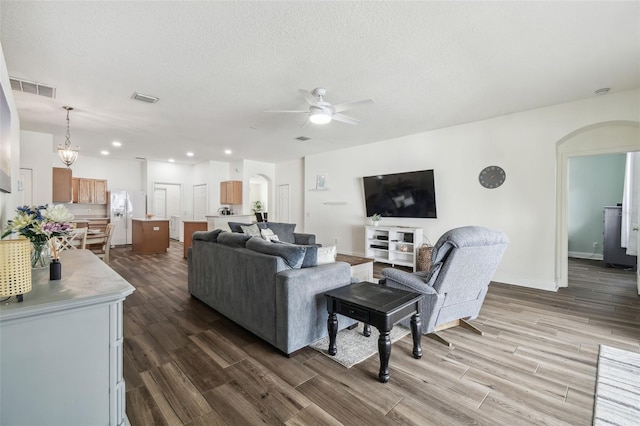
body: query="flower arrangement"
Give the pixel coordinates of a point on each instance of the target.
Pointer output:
(40, 224)
(376, 217)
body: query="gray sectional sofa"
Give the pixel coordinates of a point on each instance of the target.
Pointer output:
(263, 287)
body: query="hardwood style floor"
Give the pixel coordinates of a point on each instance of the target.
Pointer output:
(536, 364)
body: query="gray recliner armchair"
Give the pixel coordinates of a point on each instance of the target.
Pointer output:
(463, 263)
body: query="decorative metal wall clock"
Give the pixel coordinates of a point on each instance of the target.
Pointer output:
(492, 177)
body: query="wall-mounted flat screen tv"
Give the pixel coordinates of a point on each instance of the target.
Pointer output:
(410, 194)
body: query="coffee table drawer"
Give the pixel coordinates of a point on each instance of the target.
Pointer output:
(352, 311)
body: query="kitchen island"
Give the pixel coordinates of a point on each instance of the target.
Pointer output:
(150, 236)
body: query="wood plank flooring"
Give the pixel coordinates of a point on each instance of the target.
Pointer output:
(185, 364)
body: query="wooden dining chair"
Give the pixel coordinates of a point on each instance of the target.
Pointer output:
(76, 239)
(103, 251)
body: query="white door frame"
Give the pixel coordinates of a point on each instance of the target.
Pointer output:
(601, 138)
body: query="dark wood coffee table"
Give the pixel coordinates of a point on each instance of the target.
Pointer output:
(379, 306)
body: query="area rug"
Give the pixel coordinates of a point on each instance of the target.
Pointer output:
(617, 388)
(353, 347)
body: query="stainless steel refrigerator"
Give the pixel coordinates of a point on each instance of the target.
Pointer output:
(125, 205)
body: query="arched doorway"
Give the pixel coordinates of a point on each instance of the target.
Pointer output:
(260, 191)
(602, 138)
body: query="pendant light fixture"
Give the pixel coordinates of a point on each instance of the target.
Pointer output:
(68, 154)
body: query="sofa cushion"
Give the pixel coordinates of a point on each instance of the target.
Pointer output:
(284, 231)
(237, 226)
(233, 239)
(207, 235)
(292, 255)
(268, 235)
(252, 230)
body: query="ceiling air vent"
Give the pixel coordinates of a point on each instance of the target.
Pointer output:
(302, 138)
(32, 87)
(145, 98)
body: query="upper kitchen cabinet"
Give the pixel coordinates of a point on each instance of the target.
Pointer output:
(89, 191)
(62, 186)
(100, 191)
(231, 192)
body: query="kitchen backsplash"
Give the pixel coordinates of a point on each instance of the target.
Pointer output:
(88, 211)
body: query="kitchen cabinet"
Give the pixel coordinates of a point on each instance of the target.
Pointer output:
(100, 191)
(86, 190)
(89, 191)
(191, 226)
(62, 186)
(150, 236)
(231, 192)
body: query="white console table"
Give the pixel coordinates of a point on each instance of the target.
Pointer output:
(61, 348)
(397, 245)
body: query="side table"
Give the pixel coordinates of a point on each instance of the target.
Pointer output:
(379, 306)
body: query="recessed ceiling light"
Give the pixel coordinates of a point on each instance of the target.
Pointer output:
(227, 151)
(171, 160)
(602, 91)
(190, 154)
(104, 152)
(116, 143)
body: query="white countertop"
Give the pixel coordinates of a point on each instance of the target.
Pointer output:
(86, 280)
(153, 219)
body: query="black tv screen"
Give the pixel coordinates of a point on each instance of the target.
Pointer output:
(410, 194)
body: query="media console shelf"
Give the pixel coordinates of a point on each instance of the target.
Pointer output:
(397, 245)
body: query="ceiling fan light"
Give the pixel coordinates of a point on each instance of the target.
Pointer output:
(320, 117)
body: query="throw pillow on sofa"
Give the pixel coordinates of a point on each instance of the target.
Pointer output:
(292, 255)
(268, 235)
(252, 230)
(327, 254)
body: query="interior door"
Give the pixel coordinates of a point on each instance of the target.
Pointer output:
(25, 187)
(200, 202)
(160, 202)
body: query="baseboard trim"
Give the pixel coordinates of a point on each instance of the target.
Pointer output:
(581, 255)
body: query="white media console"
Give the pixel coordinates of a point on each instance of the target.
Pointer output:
(397, 245)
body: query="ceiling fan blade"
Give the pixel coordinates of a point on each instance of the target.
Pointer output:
(305, 111)
(344, 118)
(349, 105)
(309, 97)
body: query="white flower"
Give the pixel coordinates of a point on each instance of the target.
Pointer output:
(57, 213)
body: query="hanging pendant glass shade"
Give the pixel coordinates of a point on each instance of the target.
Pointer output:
(68, 154)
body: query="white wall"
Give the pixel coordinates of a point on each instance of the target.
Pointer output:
(524, 144)
(211, 173)
(9, 201)
(181, 174)
(36, 154)
(120, 174)
(290, 173)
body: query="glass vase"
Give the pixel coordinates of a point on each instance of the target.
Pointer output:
(40, 254)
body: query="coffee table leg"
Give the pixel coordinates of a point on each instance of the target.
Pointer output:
(416, 326)
(384, 350)
(366, 332)
(332, 327)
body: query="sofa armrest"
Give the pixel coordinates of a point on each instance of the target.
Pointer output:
(412, 282)
(304, 239)
(301, 307)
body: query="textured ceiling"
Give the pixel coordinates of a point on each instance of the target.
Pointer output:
(217, 66)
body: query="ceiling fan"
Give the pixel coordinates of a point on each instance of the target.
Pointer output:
(322, 112)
